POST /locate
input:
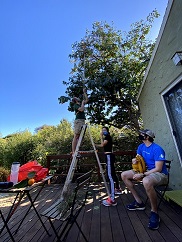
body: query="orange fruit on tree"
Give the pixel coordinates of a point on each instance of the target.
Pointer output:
(31, 181)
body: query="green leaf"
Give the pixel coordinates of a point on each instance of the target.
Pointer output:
(31, 174)
(63, 99)
(21, 184)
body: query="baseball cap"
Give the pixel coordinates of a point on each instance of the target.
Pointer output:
(148, 132)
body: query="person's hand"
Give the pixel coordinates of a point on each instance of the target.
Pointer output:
(134, 161)
(138, 176)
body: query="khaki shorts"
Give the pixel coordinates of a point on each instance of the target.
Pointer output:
(160, 178)
(78, 123)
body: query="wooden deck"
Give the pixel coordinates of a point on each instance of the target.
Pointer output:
(99, 223)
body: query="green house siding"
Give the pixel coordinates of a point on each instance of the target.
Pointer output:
(161, 75)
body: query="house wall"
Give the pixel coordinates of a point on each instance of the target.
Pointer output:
(161, 74)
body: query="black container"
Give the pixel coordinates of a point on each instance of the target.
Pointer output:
(5, 185)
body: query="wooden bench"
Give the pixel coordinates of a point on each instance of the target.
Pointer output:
(67, 210)
(175, 196)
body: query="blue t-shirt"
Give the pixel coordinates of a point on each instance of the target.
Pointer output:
(151, 154)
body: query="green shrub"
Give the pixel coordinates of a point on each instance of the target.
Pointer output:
(4, 173)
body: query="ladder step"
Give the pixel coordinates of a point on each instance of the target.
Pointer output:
(87, 151)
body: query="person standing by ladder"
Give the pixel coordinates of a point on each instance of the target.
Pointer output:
(79, 108)
(106, 143)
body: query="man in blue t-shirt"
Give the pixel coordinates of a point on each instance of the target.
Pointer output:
(156, 174)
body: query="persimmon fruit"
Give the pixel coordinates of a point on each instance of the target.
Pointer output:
(31, 181)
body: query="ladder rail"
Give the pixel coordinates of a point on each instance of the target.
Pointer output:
(73, 163)
(75, 160)
(99, 164)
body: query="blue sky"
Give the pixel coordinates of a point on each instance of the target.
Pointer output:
(36, 39)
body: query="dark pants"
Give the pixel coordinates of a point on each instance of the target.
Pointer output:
(111, 173)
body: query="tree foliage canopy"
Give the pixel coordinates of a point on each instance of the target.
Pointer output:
(111, 65)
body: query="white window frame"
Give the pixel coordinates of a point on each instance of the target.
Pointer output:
(166, 111)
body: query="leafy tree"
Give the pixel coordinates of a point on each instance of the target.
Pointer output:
(23, 146)
(111, 65)
(54, 139)
(18, 147)
(2, 150)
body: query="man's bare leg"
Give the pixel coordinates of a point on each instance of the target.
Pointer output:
(148, 183)
(127, 176)
(74, 142)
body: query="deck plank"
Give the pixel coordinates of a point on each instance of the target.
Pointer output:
(126, 225)
(99, 223)
(95, 225)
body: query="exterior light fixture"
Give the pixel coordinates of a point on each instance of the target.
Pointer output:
(177, 58)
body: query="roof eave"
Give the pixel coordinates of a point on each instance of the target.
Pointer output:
(166, 15)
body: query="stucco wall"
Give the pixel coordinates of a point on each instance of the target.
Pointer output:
(161, 74)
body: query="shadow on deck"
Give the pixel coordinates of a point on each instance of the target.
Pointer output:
(99, 223)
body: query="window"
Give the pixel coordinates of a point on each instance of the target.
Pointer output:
(173, 102)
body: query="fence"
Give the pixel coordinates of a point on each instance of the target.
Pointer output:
(59, 164)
